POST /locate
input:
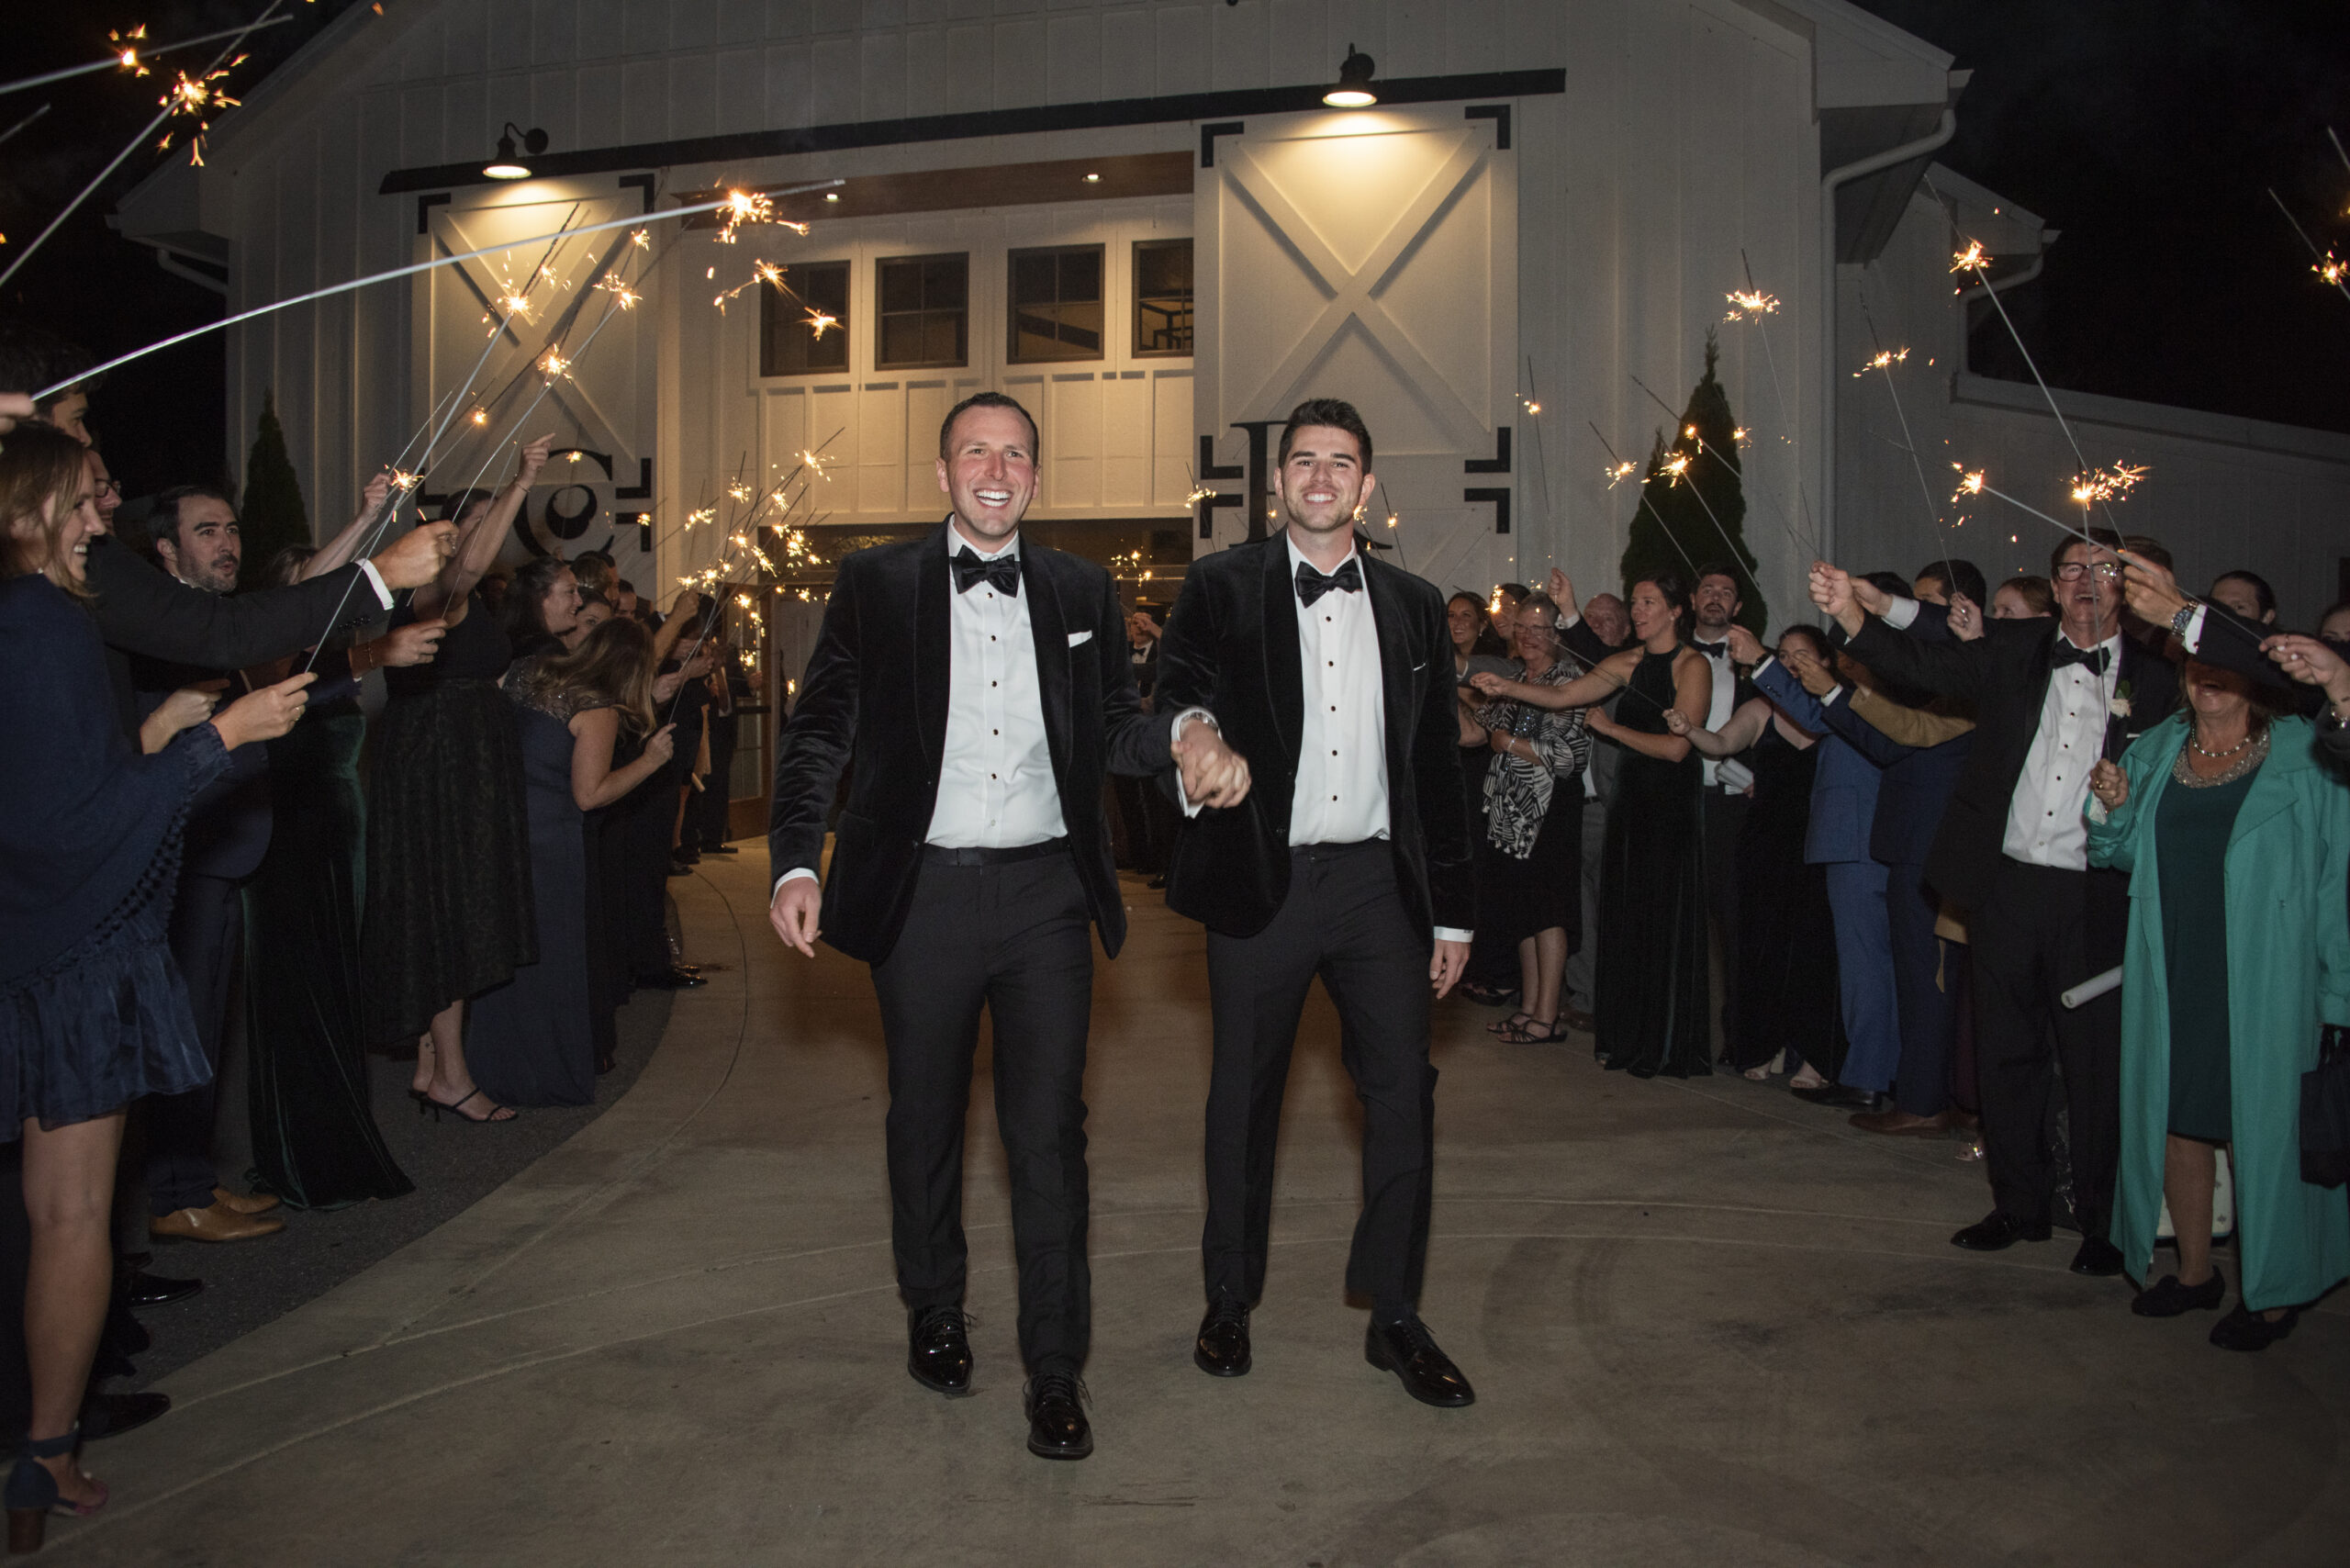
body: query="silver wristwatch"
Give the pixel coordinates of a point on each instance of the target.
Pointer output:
(2183, 619)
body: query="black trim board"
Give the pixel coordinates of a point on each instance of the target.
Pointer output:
(1500, 505)
(1499, 463)
(1173, 107)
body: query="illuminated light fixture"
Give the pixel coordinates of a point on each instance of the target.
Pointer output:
(1093, 179)
(506, 165)
(1353, 90)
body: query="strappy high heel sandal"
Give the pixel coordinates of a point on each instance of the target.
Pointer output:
(33, 1492)
(452, 1107)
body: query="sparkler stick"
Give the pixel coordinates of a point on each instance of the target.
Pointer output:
(1618, 471)
(1884, 362)
(20, 124)
(1756, 306)
(2326, 267)
(133, 52)
(408, 271)
(2338, 152)
(171, 105)
(1677, 470)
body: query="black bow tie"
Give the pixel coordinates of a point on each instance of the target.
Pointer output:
(1712, 650)
(1002, 574)
(1312, 584)
(2066, 654)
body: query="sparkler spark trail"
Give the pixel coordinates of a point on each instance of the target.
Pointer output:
(2326, 266)
(1756, 306)
(199, 100)
(1616, 473)
(817, 321)
(2106, 484)
(1884, 363)
(357, 283)
(1749, 303)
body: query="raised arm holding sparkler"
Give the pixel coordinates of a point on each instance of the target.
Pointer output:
(479, 539)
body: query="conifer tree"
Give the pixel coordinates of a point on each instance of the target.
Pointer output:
(270, 514)
(1696, 470)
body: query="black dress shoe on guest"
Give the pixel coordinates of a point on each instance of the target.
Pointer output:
(938, 1350)
(1221, 1349)
(674, 978)
(111, 1415)
(2099, 1260)
(1996, 1232)
(1842, 1097)
(160, 1290)
(1410, 1351)
(2170, 1298)
(719, 849)
(1057, 1424)
(2246, 1330)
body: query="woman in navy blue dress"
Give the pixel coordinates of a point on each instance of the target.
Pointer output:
(93, 1013)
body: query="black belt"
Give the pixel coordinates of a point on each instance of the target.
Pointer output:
(1325, 851)
(939, 854)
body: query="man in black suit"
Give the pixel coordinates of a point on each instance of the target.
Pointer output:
(2012, 850)
(979, 683)
(1332, 672)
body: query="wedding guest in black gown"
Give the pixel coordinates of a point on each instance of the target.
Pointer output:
(315, 1141)
(93, 1013)
(448, 911)
(1492, 977)
(1650, 981)
(1787, 991)
(531, 1041)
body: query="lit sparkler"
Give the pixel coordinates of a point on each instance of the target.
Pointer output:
(1745, 304)
(2106, 484)
(480, 417)
(1619, 471)
(2332, 269)
(617, 286)
(1974, 259)
(818, 321)
(199, 99)
(554, 367)
(404, 480)
(743, 207)
(1885, 360)
(127, 48)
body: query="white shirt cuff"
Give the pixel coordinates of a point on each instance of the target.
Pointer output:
(1174, 734)
(1447, 934)
(1567, 621)
(376, 580)
(1768, 660)
(1900, 613)
(796, 874)
(1833, 693)
(2193, 636)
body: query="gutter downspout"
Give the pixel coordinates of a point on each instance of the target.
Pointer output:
(1828, 182)
(177, 268)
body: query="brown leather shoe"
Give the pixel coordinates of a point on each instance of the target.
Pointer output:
(247, 1203)
(1575, 1018)
(1902, 1124)
(217, 1223)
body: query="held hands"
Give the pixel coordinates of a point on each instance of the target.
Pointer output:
(1677, 722)
(265, 714)
(1831, 590)
(2109, 784)
(418, 557)
(1745, 647)
(1965, 618)
(2311, 663)
(2152, 591)
(793, 913)
(418, 642)
(1213, 774)
(182, 710)
(1870, 597)
(1445, 967)
(661, 744)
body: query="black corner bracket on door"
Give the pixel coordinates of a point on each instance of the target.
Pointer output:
(1208, 133)
(1499, 463)
(1499, 115)
(1500, 498)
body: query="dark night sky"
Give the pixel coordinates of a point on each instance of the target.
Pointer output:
(2149, 133)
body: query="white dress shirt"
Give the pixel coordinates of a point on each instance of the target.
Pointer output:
(996, 789)
(2044, 824)
(1341, 791)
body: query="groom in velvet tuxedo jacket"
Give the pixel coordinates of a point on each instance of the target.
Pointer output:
(1331, 672)
(981, 684)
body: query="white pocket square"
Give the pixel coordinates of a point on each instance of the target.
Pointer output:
(1077, 639)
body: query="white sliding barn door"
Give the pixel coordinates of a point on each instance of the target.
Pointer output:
(598, 406)
(1371, 257)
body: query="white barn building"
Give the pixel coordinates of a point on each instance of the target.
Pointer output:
(1139, 218)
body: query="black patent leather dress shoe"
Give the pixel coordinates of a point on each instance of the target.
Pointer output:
(111, 1415)
(1842, 1097)
(2098, 1259)
(1057, 1424)
(1221, 1349)
(1996, 1232)
(1410, 1351)
(719, 849)
(160, 1290)
(2170, 1299)
(938, 1350)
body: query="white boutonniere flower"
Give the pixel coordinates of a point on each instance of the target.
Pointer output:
(2120, 707)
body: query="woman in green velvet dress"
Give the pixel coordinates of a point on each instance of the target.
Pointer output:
(2235, 833)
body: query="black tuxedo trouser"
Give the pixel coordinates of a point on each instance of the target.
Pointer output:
(1015, 939)
(1925, 987)
(2039, 932)
(207, 941)
(1344, 921)
(1722, 818)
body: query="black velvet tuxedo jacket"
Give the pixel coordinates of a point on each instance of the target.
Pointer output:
(1231, 647)
(875, 695)
(2005, 674)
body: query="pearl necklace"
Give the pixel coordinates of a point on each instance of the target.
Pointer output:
(2201, 750)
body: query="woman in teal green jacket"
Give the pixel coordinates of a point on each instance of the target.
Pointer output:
(2234, 831)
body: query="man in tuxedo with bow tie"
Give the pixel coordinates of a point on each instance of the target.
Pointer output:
(2013, 851)
(1715, 603)
(981, 684)
(1332, 672)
